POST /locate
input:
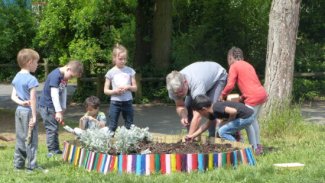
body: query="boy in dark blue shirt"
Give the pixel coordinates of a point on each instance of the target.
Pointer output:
(53, 102)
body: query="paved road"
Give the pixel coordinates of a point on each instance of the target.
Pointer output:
(159, 118)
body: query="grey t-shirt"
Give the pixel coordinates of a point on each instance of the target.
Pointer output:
(201, 77)
(121, 77)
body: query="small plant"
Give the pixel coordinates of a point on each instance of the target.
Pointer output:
(97, 139)
(128, 140)
(124, 140)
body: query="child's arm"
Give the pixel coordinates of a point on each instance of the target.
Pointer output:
(82, 122)
(232, 113)
(15, 98)
(56, 103)
(33, 106)
(201, 129)
(133, 87)
(108, 91)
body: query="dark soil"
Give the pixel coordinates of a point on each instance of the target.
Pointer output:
(179, 148)
(185, 147)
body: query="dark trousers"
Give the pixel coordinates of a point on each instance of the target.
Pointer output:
(115, 108)
(51, 128)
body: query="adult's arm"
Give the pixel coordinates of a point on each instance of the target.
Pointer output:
(182, 111)
(232, 79)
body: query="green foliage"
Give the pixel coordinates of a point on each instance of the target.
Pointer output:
(308, 89)
(17, 28)
(84, 30)
(234, 23)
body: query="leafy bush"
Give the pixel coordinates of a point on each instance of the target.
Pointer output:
(124, 140)
(308, 89)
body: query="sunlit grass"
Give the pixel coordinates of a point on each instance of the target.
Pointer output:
(297, 142)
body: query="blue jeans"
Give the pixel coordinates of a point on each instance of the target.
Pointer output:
(51, 128)
(115, 108)
(231, 127)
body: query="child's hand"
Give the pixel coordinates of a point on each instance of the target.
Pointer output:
(188, 138)
(59, 117)
(25, 103)
(32, 122)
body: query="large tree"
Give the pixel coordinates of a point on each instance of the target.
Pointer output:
(281, 47)
(162, 32)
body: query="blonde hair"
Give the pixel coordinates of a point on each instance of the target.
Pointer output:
(25, 55)
(76, 67)
(175, 81)
(118, 48)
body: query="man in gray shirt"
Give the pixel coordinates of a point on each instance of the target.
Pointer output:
(207, 78)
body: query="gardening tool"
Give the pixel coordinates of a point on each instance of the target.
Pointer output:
(29, 135)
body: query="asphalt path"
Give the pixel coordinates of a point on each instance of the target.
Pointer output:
(159, 118)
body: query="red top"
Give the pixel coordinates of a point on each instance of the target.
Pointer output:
(248, 83)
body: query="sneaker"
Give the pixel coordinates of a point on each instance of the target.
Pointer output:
(18, 169)
(50, 155)
(57, 152)
(37, 169)
(260, 148)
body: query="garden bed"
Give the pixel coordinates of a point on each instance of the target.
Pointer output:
(162, 158)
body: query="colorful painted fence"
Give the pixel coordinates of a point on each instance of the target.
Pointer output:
(146, 164)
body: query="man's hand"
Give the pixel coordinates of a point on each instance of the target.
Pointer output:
(185, 122)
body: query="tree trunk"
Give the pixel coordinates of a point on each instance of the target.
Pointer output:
(162, 31)
(143, 33)
(281, 47)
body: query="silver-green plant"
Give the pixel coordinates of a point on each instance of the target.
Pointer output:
(128, 140)
(97, 139)
(124, 140)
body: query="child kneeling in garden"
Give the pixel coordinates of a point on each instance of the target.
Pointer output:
(239, 116)
(93, 117)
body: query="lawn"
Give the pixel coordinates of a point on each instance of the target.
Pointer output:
(291, 139)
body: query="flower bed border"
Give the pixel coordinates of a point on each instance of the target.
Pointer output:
(146, 164)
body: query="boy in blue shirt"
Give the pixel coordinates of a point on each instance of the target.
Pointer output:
(53, 102)
(24, 94)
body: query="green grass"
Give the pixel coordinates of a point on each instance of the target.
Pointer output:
(293, 142)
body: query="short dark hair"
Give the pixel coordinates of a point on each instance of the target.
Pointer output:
(92, 101)
(201, 101)
(237, 53)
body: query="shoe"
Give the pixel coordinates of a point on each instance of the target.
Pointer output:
(260, 148)
(50, 155)
(37, 169)
(258, 151)
(57, 152)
